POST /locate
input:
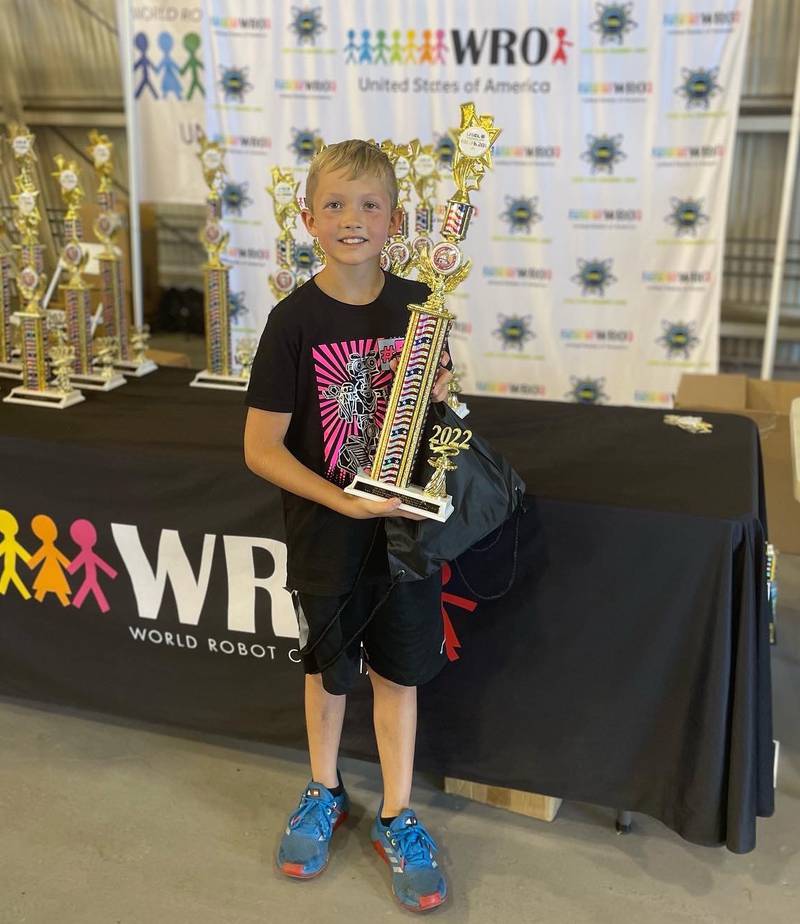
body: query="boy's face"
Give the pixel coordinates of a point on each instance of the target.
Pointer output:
(351, 218)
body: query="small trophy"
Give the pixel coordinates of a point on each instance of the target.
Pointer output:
(77, 298)
(442, 270)
(397, 254)
(296, 262)
(36, 388)
(219, 368)
(115, 310)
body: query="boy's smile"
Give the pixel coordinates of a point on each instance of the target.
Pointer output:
(351, 218)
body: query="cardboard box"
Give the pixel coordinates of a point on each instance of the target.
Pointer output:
(768, 403)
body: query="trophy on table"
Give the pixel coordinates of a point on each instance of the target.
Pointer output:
(443, 269)
(396, 256)
(77, 297)
(216, 302)
(115, 309)
(37, 388)
(284, 204)
(10, 363)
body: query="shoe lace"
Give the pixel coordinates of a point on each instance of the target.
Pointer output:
(415, 845)
(313, 817)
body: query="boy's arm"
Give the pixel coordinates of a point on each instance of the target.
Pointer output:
(266, 455)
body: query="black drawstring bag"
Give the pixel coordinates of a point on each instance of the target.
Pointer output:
(486, 492)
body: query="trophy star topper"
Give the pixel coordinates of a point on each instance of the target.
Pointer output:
(99, 150)
(284, 197)
(473, 153)
(212, 159)
(68, 176)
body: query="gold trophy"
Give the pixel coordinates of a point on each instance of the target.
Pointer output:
(219, 365)
(115, 310)
(443, 269)
(36, 388)
(424, 178)
(397, 255)
(77, 297)
(10, 363)
(284, 204)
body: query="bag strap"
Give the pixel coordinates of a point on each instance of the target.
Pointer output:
(514, 558)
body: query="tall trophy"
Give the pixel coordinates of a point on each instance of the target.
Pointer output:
(396, 256)
(77, 297)
(443, 269)
(219, 357)
(10, 363)
(115, 308)
(37, 388)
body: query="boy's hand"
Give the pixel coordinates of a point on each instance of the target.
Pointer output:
(439, 391)
(359, 508)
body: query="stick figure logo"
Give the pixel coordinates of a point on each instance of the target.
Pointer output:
(587, 391)
(234, 83)
(687, 216)
(678, 338)
(235, 198)
(594, 276)
(603, 152)
(613, 22)
(514, 330)
(306, 24)
(699, 86)
(520, 214)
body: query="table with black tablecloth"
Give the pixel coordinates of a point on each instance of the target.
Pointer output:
(627, 666)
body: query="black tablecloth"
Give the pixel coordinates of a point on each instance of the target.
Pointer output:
(627, 666)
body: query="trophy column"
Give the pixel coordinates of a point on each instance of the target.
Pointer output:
(36, 388)
(131, 341)
(10, 364)
(77, 298)
(219, 366)
(443, 269)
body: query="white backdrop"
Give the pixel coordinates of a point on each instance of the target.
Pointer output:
(597, 244)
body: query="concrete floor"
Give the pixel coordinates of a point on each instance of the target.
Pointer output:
(111, 822)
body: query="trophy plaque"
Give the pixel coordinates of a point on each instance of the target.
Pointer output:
(442, 269)
(216, 290)
(37, 388)
(77, 297)
(116, 322)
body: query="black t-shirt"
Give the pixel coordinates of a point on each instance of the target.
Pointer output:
(327, 363)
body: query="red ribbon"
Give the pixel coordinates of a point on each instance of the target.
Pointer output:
(451, 641)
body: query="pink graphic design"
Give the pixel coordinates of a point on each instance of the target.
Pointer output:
(353, 383)
(85, 535)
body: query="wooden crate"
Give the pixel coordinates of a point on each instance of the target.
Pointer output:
(532, 804)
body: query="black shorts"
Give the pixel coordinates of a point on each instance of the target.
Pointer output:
(403, 642)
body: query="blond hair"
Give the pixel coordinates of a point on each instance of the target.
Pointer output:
(357, 158)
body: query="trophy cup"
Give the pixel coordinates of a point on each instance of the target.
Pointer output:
(219, 367)
(397, 255)
(442, 270)
(77, 298)
(36, 388)
(106, 226)
(10, 364)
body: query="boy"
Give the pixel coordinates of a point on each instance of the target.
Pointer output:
(318, 392)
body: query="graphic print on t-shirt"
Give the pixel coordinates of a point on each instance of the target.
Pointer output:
(353, 384)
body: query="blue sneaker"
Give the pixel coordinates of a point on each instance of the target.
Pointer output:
(303, 852)
(417, 881)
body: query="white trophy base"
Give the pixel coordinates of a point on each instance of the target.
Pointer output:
(50, 397)
(12, 370)
(415, 500)
(137, 370)
(95, 381)
(206, 379)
